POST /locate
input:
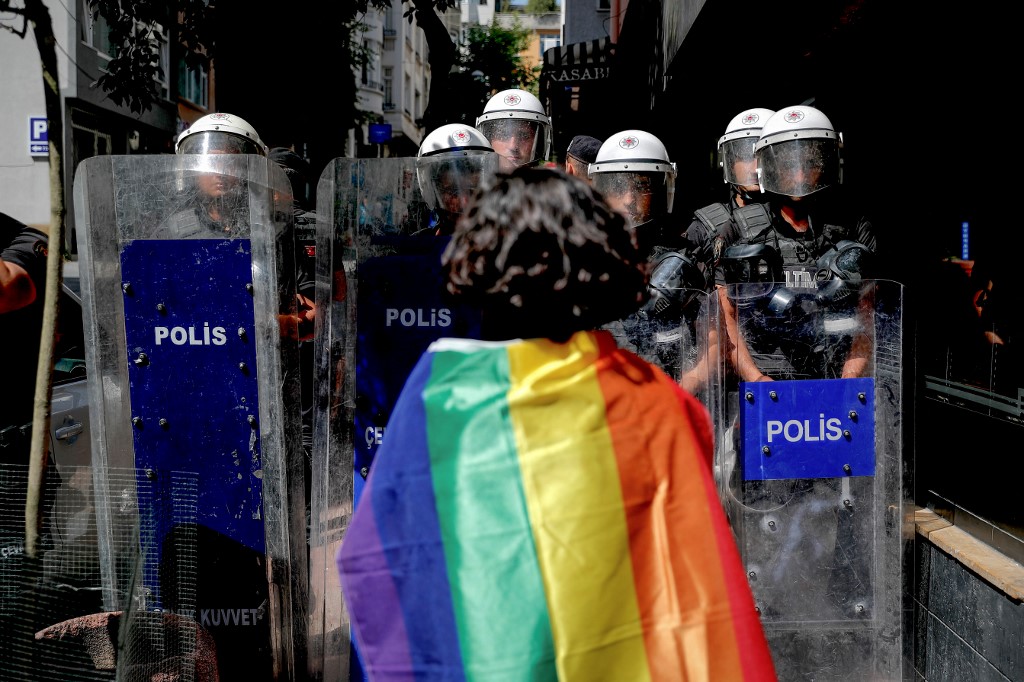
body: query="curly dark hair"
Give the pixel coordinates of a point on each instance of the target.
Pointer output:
(543, 256)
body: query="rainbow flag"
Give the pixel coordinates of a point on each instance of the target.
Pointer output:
(546, 511)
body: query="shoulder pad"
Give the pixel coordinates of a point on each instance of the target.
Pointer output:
(836, 233)
(752, 220)
(714, 217)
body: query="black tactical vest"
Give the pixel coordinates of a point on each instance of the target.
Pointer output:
(799, 255)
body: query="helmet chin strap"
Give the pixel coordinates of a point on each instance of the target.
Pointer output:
(749, 197)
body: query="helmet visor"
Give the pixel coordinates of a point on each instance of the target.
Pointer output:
(737, 159)
(448, 180)
(639, 196)
(798, 168)
(518, 141)
(217, 142)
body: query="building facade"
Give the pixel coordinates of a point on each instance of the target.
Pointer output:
(370, 83)
(576, 75)
(477, 12)
(93, 124)
(545, 32)
(393, 87)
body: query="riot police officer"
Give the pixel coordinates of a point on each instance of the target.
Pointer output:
(799, 303)
(809, 240)
(736, 156)
(213, 197)
(633, 172)
(404, 276)
(713, 225)
(451, 162)
(514, 123)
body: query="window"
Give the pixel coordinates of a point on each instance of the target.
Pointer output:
(371, 65)
(97, 34)
(407, 95)
(366, 63)
(88, 142)
(164, 50)
(547, 42)
(389, 99)
(389, 44)
(69, 339)
(604, 5)
(193, 84)
(155, 34)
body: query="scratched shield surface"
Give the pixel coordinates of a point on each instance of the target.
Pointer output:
(381, 301)
(194, 388)
(401, 310)
(810, 469)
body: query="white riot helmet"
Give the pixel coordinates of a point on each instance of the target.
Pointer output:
(220, 133)
(452, 161)
(517, 126)
(798, 152)
(632, 170)
(736, 147)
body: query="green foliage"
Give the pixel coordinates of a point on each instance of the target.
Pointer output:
(414, 6)
(130, 78)
(488, 62)
(541, 6)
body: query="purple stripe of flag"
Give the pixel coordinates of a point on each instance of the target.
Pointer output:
(409, 573)
(372, 588)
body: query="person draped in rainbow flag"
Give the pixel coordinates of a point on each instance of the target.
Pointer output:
(543, 506)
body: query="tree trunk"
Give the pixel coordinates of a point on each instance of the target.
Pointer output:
(441, 59)
(42, 28)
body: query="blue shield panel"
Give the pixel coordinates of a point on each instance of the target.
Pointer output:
(192, 375)
(808, 429)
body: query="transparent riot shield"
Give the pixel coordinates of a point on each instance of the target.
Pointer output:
(188, 286)
(681, 338)
(380, 302)
(810, 467)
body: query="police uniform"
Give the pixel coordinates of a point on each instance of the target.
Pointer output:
(19, 348)
(19, 339)
(800, 251)
(195, 222)
(789, 344)
(693, 255)
(656, 331)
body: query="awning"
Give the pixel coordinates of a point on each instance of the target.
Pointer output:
(578, 62)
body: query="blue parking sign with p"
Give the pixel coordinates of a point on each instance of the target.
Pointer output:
(38, 136)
